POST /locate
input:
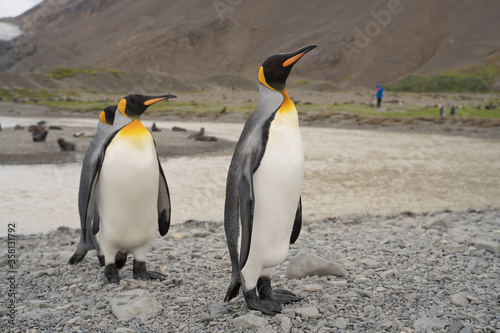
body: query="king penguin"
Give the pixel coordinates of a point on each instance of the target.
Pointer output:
(104, 126)
(127, 200)
(263, 210)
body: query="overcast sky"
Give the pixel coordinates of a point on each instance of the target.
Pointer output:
(16, 7)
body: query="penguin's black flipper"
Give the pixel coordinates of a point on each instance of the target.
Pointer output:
(95, 218)
(163, 203)
(90, 212)
(246, 199)
(88, 194)
(297, 224)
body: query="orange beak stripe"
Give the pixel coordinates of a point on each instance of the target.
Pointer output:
(293, 59)
(152, 101)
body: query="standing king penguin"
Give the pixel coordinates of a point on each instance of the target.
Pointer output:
(129, 188)
(104, 127)
(263, 211)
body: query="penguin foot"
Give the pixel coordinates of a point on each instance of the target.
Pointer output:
(101, 260)
(280, 296)
(140, 272)
(150, 275)
(120, 259)
(111, 273)
(283, 296)
(77, 257)
(267, 307)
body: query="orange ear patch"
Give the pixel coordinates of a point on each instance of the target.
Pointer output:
(262, 78)
(121, 107)
(102, 117)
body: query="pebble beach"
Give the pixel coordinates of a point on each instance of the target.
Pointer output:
(409, 272)
(378, 251)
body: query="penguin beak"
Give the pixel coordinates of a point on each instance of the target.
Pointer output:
(154, 99)
(295, 56)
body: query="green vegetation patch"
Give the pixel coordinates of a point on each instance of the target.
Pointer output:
(36, 94)
(78, 106)
(414, 112)
(5, 94)
(472, 78)
(62, 72)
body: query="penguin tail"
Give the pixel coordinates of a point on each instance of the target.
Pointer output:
(233, 290)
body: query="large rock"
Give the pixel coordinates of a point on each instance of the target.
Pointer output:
(307, 264)
(340, 323)
(460, 299)
(38, 314)
(249, 321)
(493, 247)
(309, 312)
(424, 324)
(441, 221)
(136, 303)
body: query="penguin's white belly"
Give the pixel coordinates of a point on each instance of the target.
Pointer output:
(128, 194)
(277, 187)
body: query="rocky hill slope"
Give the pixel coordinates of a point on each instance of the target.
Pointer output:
(359, 42)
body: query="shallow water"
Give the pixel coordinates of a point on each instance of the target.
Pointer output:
(347, 172)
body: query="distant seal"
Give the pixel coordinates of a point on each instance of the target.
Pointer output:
(206, 138)
(65, 145)
(198, 134)
(36, 129)
(40, 137)
(154, 128)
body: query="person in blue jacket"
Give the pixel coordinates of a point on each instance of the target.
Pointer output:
(379, 91)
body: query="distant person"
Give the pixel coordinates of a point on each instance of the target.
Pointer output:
(379, 91)
(441, 111)
(452, 111)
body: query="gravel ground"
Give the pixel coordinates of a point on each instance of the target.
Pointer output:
(429, 272)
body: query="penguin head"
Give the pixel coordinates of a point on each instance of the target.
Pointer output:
(107, 115)
(133, 106)
(275, 69)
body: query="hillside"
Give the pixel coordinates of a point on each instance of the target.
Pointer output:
(359, 43)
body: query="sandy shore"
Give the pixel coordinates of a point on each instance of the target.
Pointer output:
(358, 169)
(17, 146)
